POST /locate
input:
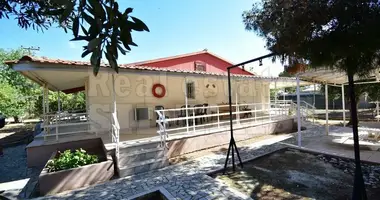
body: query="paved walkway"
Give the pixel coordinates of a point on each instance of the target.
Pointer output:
(324, 144)
(188, 180)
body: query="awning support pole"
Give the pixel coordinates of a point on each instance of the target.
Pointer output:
(47, 109)
(327, 108)
(275, 97)
(343, 107)
(298, 112)
(44, 111)
(58, 116)
(59, 102)
(186, 105)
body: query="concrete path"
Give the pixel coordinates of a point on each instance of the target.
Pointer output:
(189, 180)
(324, 144)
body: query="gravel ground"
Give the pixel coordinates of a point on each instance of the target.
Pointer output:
(13, 164)
(14, 167)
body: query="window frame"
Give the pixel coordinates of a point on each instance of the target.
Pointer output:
(200, 64)
(190, 90)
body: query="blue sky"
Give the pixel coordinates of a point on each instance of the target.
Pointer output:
(176, 27)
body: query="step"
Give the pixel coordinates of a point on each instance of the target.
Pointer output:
(138, 147)
(143, 166)
(128, 158)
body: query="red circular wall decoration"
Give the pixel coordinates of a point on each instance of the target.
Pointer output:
(163, 90)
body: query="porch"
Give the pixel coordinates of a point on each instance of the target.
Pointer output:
(182, 134)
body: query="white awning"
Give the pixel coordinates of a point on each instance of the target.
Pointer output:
(285, 82)
(336, 77)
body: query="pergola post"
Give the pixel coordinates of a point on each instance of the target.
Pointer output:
(232, 146)
(327, 108)
(298, 112)
(343, 107)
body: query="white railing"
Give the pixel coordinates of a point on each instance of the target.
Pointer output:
(162, 122)
(307, 110)
(64, 123)
(192, 119)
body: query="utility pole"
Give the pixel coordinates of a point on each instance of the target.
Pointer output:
(30, 49)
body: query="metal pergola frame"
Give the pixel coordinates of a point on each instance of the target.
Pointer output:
(232, 145)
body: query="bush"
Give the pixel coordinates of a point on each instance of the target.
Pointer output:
(71, 159)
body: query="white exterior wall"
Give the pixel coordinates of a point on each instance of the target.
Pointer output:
(135, 90)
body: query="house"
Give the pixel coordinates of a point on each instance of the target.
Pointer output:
(196, 61)
(175, 101)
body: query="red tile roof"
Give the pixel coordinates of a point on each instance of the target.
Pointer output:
(45, 60)
(180, 56)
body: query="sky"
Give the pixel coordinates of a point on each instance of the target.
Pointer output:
(176, 27)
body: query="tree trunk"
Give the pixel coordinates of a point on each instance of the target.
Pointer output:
(350, 120)
(359, 192)
(16, 119)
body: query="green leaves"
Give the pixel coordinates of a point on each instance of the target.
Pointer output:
(107, 29)
(93, 44)
(71, 159)
(323, 33)
(67, 12)
(76, 26)
(139, 25)
(11, 102)
(87, 19)
(14, 87)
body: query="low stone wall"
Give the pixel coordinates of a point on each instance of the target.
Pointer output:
(196, 143)
(70, 179)
(57, 182)
(39, 155)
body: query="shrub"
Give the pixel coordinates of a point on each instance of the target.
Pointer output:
(71, 159)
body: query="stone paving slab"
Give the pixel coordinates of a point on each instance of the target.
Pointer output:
(187, 180)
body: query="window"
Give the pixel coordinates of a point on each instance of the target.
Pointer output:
(190, 88)
(198, 66)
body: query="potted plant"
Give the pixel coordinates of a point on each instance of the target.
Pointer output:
(73, 169)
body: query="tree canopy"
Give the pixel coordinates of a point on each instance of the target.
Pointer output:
(10, 103)
(338, 34)
(19, 95)
(329, 33)
(99, 22)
